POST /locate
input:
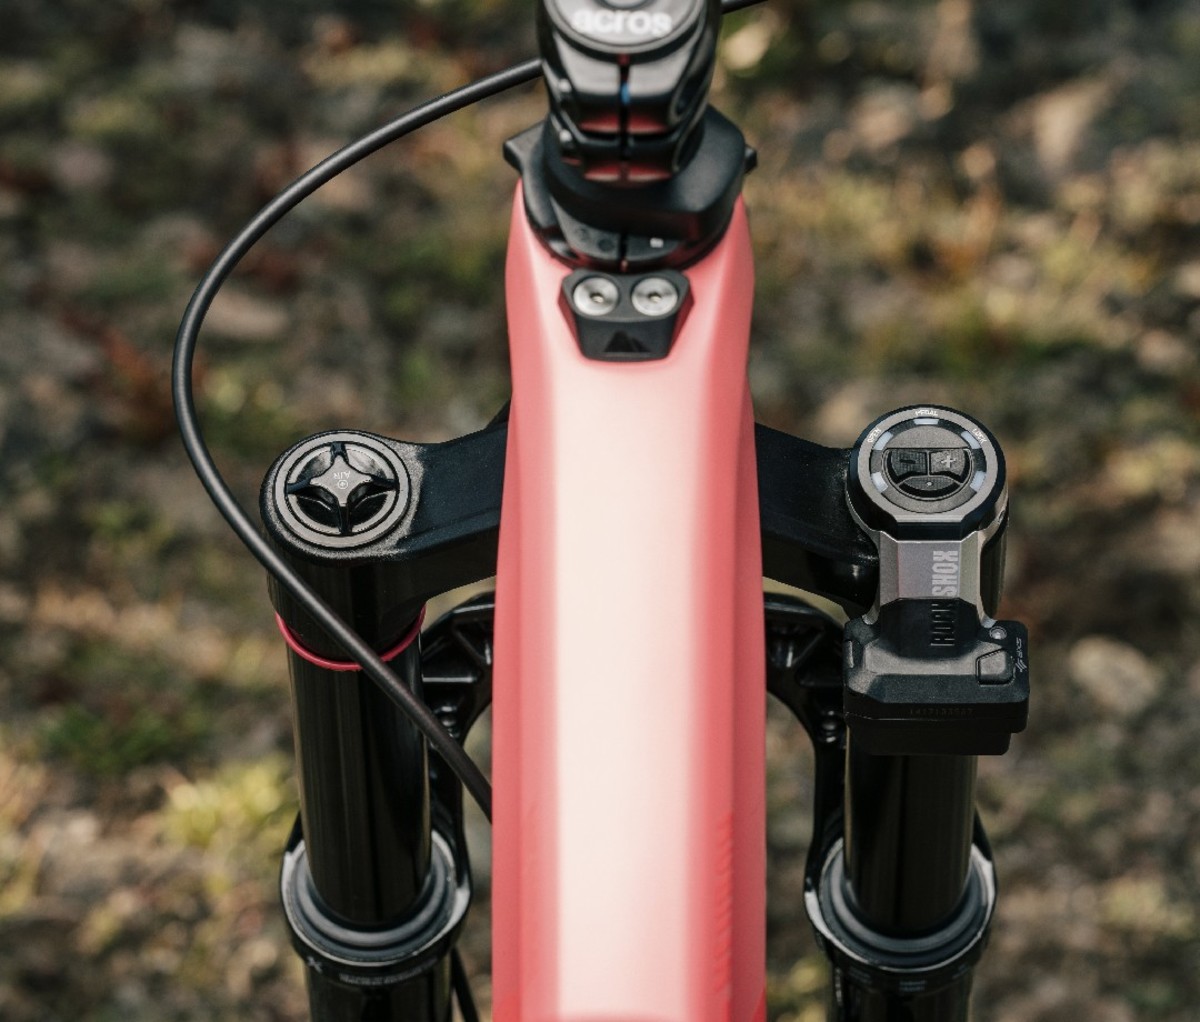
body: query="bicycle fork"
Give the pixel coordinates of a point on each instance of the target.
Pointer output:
(905, 531)
(900, 886)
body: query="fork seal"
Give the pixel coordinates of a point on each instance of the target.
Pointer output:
(373, 957)
(905, 965)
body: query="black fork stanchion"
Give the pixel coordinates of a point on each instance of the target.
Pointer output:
(373, 894)
(364, 791)
(908, 827)
(907, 883)
(362, 883)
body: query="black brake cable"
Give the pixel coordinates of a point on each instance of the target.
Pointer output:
(361, 652)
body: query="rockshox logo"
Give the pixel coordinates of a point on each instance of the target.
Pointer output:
(647, 24)
(943, 621)
(945, 573)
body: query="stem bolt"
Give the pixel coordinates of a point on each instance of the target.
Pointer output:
(595, 296)
(655, 296)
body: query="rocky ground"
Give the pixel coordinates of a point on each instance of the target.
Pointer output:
(992, 206)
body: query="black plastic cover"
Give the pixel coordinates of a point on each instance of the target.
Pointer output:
(624, 334)
(969, 703)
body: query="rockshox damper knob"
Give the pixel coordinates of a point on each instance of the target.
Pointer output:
(928, 670)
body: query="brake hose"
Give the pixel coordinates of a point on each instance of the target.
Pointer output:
(439, 738)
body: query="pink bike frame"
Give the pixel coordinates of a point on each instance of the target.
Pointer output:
(629, 847)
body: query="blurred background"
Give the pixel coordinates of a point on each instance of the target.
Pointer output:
(994, 206)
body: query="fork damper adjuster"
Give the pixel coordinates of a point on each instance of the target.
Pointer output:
(927, 670)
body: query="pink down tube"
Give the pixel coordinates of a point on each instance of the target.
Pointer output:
(628, 847)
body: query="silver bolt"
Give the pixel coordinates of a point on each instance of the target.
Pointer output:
(998, 633)
(655, 296)
(595, 296)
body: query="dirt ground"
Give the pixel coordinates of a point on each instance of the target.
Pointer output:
(992, 206)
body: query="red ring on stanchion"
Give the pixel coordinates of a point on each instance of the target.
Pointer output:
(302, 651)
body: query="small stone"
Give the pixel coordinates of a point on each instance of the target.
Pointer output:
(78, 166)
(1187, 280)
(886, 115)
(1161, 352)
(1062, 118)
(1174, 536)
(1119, 679)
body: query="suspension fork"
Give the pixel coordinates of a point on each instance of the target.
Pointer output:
(900, 886)
(411, 522)
(896, 851)
(895, 830)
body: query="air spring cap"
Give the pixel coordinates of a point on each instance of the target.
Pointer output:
(926, 472)
(341, 490)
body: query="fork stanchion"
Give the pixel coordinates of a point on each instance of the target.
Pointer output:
(373, 895)
(907, 890)
(902, 903)
(908, 827)
(364, 791)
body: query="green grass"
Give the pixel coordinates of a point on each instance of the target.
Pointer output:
(109, 747)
